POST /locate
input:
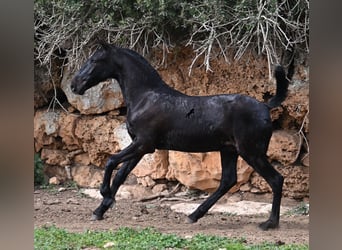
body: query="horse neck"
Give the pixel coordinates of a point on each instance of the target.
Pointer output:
(138, 79)
(135, 86)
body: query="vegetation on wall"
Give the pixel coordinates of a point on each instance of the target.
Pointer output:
(65, 28)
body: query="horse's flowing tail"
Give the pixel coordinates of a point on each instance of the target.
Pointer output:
(282, 84)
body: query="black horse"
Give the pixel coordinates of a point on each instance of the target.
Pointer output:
(159, 117)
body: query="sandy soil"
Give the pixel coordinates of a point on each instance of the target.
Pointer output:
(71, 209)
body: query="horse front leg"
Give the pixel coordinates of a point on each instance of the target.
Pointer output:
(130, 156)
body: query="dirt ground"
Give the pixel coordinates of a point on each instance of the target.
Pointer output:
(71, 209)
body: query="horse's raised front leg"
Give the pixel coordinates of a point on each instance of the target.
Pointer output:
(228, 179)
(130, 156)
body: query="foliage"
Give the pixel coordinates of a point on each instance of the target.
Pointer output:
(38, 170)
(127, 238)
(267, 26)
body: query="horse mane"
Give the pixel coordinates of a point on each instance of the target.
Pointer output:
(142, 62)
(136, 57)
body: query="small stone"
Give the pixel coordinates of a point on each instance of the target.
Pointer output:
(245, 187)
(51, 202)
(62, 189)
(109, 244)
(255, 190)
(71, 109)
(54, 181)
(158, 188)
(72, 201)
(146, 181)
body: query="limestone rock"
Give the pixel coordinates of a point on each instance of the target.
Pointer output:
(146, 181)
(46, 127)
(67, 124)
(297, 107)
(82, 159)
(87, 176)
(244, 172)
(97, 137)
(259, 185)
(53, 156)
(122, 137)
(105, 96)
(203, 170)
(133, 192)
(154, 165)
(55, 171)
(245, 187)
(296, 181)
(159, 188)
(54, 181)
(195, 170)
(284, 146)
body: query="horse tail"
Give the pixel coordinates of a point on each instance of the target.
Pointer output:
(283, 81)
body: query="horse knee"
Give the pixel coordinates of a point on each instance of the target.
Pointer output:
(105, 190)
(111, 163)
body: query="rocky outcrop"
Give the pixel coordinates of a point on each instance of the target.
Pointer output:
(296, 183)
(103, 97)
(76, 144)
(203, 170)
(284, 146)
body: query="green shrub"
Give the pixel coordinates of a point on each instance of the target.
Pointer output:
(268, 27)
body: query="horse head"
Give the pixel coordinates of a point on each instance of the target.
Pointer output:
(99, 67)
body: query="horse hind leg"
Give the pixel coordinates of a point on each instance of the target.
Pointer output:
(228, 179)
(275, 180)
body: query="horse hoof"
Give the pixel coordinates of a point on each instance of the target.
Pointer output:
(95, 217)
(190, 221)
(268, 225)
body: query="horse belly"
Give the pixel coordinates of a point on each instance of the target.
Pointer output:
(191, 142)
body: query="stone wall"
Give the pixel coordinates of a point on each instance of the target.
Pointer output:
(76, 141)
